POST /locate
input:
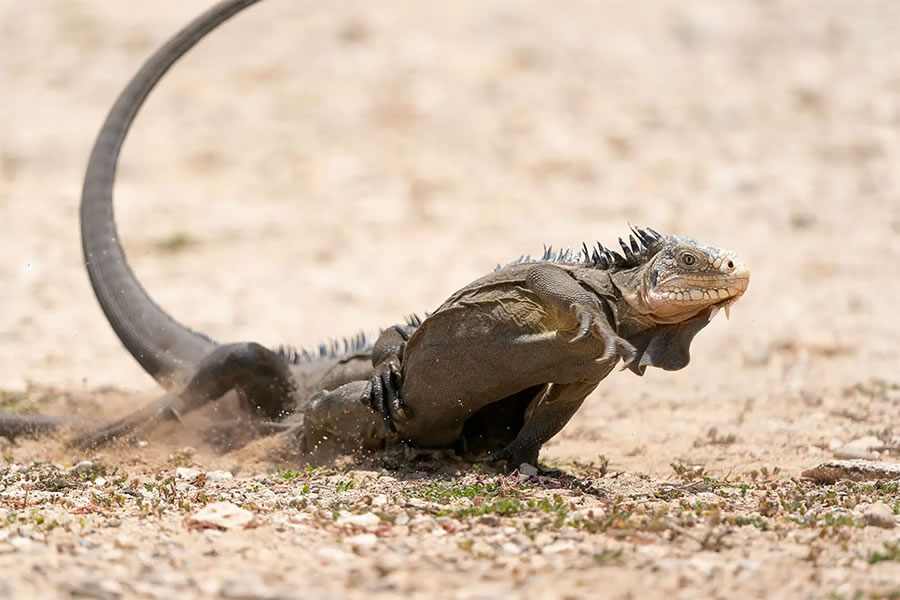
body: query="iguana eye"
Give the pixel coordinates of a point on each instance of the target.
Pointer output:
(688, 259)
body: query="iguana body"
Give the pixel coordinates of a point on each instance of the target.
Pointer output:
(501, 366)
(506, 361)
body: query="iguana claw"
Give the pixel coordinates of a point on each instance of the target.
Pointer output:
(382, 393)
(593, 322)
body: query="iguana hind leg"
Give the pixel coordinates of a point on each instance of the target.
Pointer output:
(261, 377)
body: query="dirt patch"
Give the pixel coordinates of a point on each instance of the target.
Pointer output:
(361, 163)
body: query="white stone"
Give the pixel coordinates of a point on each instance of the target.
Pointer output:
(82, 467)
(511, 548)
(529, 470)
(221, 515)
(333, 554)
(186, 473)
(880, 515)
(362, 540)
(379, 500)
(557, 547)
(868, 442)
(366, 521)
(219, 475)
(125, 542)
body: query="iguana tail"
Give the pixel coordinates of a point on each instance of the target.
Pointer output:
(164, 347)
(31, 425)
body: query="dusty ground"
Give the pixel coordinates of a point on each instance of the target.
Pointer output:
(314, 168)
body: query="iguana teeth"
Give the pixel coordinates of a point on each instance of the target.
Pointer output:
(713, 312)
(728, 311)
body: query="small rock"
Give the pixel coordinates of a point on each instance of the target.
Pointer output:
(125, 542)
(596, 513)
(860, 448)
(880, 515)
(220, 515)
(853, 453)
(82, 467)
(401, 519)
(100, 481)
(868, 442)
(186, 473)
(361, 540)
(511, 548)
(528, 470)
(379, 500)
(20, 543)
(366, 521)
(219, 475)
(333, 554)
(557, 547)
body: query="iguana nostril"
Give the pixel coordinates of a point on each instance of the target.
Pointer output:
(730, 264)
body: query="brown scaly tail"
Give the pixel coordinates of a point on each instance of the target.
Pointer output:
(164, 347)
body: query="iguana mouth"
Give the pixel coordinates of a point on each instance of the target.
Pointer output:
(683, 297)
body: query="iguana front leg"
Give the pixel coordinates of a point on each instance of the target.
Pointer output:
(551, 413)
(260, 376)
(559, 290)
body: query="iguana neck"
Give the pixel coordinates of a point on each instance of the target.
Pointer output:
(626, 321)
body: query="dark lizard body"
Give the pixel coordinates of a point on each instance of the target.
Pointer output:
(501, 366)
(506, 361)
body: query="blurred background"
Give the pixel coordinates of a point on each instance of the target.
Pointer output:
(315, 168)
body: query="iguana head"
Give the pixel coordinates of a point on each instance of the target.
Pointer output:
(669, 279)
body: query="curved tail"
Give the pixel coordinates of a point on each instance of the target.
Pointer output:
(164, 347)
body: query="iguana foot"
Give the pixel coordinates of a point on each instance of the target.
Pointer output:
(592, 321)
(382, 393)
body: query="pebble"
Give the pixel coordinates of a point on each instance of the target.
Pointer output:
(219, 475)
(851, 453)
(186, 473)
(82, 467)
(221, 515)
(333, 554)
(511, 548)
(361, 540)
(557, 547)
(860, 448)
(528, 470)
(363, 521)
(880, 515)
(125, 542)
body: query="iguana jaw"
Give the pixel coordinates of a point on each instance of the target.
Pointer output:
(682, 280)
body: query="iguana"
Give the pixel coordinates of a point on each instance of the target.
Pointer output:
(498, 369)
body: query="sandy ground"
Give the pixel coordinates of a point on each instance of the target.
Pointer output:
(316, 168)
